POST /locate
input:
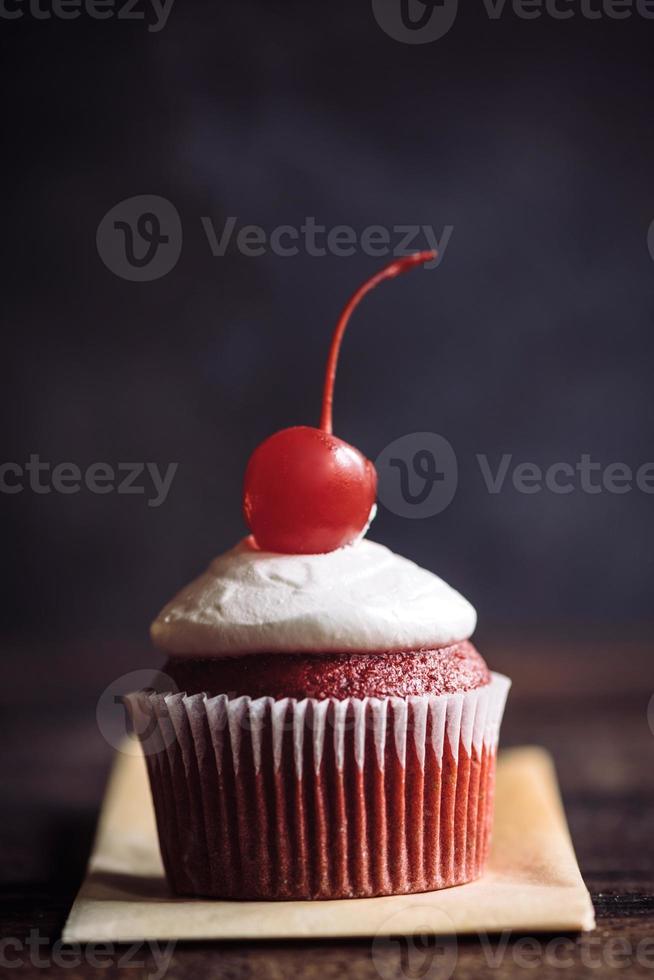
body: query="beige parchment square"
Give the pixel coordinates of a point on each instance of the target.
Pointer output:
(533, 882)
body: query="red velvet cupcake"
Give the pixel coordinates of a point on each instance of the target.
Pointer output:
(333, 731)
(326, 772)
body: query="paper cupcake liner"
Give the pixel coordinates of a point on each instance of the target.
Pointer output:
(287, 799)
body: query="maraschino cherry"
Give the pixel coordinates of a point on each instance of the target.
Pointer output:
(305, 490)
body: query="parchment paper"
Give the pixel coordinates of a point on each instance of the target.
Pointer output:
(532, 884)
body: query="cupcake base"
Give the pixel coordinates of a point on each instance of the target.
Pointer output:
(321, 799)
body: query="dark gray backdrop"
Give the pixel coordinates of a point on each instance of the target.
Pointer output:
(532, 138)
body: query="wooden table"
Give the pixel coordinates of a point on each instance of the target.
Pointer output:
(586, 699)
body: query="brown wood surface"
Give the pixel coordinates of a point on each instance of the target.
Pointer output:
(584, 699)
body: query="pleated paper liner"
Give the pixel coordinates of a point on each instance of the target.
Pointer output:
(531, 884)
(288, 799)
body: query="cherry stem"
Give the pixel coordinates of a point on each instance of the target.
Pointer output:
(395, 268)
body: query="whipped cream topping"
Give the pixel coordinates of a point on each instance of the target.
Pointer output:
(357, 599)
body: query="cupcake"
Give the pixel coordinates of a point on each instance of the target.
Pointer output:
(331, 731)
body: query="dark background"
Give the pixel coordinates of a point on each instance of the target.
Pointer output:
(532, 138)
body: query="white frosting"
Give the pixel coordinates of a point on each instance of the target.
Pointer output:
(359, 598)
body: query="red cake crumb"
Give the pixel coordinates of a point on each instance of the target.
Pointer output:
(334, 675)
